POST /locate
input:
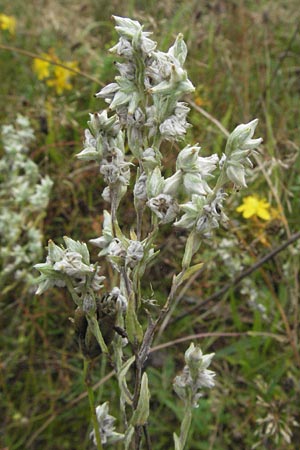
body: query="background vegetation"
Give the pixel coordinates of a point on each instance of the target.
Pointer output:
(244, 61)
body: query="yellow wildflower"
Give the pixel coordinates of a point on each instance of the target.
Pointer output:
(8, 23)
(61, 77)
(55, 76)
(253, 206)
(41, 68)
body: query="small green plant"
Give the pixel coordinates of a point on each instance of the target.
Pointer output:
(24, 197)
(127, 140)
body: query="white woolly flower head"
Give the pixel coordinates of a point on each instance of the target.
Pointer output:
(195, 375)
(106, 426)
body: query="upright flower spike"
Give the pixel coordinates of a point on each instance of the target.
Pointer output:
(195, 376)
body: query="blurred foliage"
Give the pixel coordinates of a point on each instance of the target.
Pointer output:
(244, 61)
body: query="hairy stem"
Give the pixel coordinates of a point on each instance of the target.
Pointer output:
(86, 373)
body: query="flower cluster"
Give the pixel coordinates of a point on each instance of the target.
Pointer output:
(239, 147)
(194, 376)
(24, 198)
(69, 266)
(104, 143)
(56, 76)
(145, 100)
(8, 23)
(152, 75)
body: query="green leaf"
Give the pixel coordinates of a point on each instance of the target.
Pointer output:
(133, 327)
(177, 443)
(128, 436)
(191, 247)
(141, 414)
(190, 271)
(122, 380)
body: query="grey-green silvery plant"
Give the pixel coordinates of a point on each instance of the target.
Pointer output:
(145, 109)
(24, 197)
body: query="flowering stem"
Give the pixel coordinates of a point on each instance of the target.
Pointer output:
(185, 425)
(90, 392)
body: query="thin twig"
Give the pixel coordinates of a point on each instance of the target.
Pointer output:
(192, 337)
(239, 278)
(50, 61)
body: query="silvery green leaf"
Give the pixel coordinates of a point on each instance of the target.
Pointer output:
(89, 152)
(48, 280)
(187, 159)
(127, 27)
(121, 98)
(108, 92)
(177, 443)
(122, 380)
(179, 49)
(133, 327)
(55, 252)
(134, 102)
(236, 174)
(47, 270)
(149, 159)
(155, 183)
(147, 45)
(128, 437)
(190, 271)
(241, 138)
(141, 413)
(191, 247)
(107, 234)
(186, 221)
(79, 247)
(172, 184)
(194, 184)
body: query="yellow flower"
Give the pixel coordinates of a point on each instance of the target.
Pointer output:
(41, 68)
(61, 77)
(56, 77)
(253, 206)
(8, 23)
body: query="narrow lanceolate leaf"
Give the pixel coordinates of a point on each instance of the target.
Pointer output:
(177, 443)
(122, 380)
(128, 436)
(141, 414)
(192, 245)
(133, 327)
(190, 271)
